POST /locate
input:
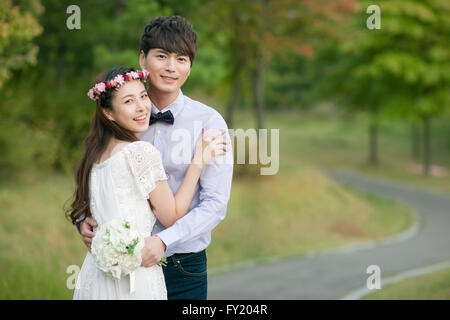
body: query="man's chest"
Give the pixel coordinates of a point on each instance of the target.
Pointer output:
(176, 145)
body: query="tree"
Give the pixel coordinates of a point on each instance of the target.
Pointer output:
(18, 27)
(413, 53)
(50, 97)
(401, 69)
(258, 29)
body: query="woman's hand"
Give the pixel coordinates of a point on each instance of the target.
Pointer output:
(207, 148)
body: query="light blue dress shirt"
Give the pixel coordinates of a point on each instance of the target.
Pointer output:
(176, 142)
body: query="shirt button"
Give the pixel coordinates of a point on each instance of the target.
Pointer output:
(159, 131)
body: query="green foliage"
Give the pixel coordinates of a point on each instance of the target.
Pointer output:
(163, 262)
(130, 248)
(292, 82)
(49, 113)
(304, 51)
(122, 45)
(408, 59)
(209, 70)
(255, 32)
(401, 70)
(18, 27)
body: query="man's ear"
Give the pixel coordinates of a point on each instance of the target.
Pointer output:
(141, 59)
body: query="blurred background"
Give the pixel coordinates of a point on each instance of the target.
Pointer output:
(375, 102)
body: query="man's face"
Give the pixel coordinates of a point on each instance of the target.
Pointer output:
(167, 71)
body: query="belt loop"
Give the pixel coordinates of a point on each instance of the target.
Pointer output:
(174, 260)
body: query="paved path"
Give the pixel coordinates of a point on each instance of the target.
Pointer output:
(332, 275)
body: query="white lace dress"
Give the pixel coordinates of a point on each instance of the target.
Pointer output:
(119, 188)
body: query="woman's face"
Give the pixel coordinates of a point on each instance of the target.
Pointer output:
(131, 107)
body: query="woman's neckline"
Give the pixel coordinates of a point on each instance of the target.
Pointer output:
(107, 160)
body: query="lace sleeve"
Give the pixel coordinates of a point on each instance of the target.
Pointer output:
(146, 166)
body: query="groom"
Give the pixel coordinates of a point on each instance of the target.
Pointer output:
(167, 50)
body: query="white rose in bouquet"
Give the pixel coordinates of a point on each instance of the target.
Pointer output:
(117, 247)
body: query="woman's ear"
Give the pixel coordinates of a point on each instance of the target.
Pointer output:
(108, 114)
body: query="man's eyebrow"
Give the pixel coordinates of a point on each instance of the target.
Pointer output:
(167, 52)
(162, 50)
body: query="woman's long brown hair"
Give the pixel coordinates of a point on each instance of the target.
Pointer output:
(102, 130)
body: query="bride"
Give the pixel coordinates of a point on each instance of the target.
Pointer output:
(122, 177)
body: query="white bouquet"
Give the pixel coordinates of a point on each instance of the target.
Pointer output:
(116, 248)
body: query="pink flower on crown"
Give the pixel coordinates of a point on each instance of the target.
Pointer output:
(100, 87)
(91, 94)
(133, 74)
(95, 92)
(120, 80)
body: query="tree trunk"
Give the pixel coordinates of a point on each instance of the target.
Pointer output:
(373, 143)
(258, 91)
(235, 93)
(61, 53)
(415, 139)
(258, 74)
(426, 144)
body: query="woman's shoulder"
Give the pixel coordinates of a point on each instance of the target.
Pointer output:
(140, 156)
(141, 152)
(141, 146)
(109, 155)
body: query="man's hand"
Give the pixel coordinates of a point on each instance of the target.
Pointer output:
(87, 234)
(153, 251)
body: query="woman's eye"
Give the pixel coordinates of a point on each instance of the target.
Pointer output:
(128, 101)
(144, 96)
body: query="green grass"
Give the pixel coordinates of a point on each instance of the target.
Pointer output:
(433, 286)
(37, 243)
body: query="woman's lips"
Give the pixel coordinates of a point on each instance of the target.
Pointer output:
(141, 119)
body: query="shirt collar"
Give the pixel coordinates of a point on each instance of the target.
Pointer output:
(175, 107)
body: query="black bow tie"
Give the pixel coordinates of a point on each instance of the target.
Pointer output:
(167, 117)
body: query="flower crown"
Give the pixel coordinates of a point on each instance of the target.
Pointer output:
(119, 80)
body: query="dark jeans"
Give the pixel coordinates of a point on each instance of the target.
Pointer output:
(186, 276)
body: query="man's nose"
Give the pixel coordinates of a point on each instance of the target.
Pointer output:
(170, 64)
